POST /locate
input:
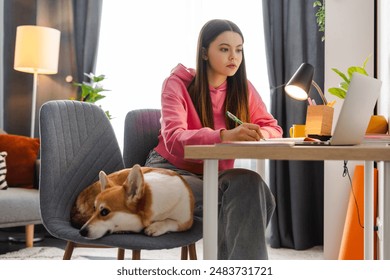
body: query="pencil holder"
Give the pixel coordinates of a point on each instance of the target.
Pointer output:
(319, 120)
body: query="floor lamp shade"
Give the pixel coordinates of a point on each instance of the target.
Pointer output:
(37, 49)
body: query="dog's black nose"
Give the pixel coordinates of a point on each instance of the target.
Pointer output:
(84, 231)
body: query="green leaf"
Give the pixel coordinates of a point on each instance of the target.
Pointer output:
(365, 62)
(109, 116)
(77, 84)
(341, 74)
(338, 92)
(358, 69)
(90, 75)
(100, 78)
(317, 4)
(90, 91)
(344, 85)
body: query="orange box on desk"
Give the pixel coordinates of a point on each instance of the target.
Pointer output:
(319, 120)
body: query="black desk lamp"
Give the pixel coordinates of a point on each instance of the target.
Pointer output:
(300, 83)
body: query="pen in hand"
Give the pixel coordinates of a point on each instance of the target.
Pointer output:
(233, 117)
(237, 120)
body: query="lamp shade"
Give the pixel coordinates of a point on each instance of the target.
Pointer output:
(37, 49)
(300, 83)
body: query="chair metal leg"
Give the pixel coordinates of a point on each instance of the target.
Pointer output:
(121, 254)
(136, 255)
(184, 253)
(29, 235)
(68, 250)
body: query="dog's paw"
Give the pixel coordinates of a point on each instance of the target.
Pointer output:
(155, 229)
(161, 227)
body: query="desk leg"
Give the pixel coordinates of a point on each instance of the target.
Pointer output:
(210, 209)
(368, 210)
(386, 212)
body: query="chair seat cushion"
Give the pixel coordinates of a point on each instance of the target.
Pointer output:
(134, 241)
(19, 207)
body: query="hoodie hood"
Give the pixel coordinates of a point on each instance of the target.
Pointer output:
(183, 73)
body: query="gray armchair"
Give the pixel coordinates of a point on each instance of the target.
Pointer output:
(77, 141)
(140, 136)
(20, 207)
(142, 127)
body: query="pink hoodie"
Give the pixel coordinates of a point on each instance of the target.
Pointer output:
(181, 126)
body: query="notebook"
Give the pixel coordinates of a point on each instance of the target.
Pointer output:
(358, 106)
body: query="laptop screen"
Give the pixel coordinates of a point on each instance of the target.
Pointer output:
(358, 106)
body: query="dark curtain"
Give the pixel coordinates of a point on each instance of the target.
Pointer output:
(292, 37)
(79, 23)
(87, 17)
(17, 85)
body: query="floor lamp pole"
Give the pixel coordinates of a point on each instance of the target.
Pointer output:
(34, 103)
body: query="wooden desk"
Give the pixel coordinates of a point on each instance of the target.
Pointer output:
(212, 153)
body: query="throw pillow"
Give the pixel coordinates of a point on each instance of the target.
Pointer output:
(3, 171)
(22, 155)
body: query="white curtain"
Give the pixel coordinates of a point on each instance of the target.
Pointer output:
(141, 41)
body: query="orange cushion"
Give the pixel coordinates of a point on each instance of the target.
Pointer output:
(22, 154)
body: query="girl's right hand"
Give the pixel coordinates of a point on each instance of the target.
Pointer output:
(243, 132)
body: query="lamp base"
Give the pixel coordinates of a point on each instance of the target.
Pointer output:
(22, 239)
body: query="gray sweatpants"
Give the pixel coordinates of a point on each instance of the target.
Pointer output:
(245, 208)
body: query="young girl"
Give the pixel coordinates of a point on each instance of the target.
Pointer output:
(194, 105)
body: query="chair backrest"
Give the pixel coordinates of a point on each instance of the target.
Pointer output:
(142, 127)
(77, 141)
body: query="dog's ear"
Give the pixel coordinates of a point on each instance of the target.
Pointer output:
(103, 180)
(134, 184)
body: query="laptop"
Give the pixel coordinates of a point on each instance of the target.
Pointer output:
(358, 106)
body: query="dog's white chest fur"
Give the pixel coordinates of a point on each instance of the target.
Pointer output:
(169, 197)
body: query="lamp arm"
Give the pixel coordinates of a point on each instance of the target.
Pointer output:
(279, 86)
(319, 92)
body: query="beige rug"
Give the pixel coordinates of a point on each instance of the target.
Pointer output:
(37, 253)
(52, 253)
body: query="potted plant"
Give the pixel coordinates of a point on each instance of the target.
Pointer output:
(91, 91)
(378, 123)
(341, 90)
(320, 15)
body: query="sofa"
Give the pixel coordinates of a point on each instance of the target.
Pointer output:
(19, 196)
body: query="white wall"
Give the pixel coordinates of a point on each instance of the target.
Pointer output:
(384, 56)
(384, 109)
(349, 39)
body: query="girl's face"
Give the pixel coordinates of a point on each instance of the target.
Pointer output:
(224, 57)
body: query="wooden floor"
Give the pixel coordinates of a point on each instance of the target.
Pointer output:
(9, 234)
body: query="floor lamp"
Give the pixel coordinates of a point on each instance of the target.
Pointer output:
(36, 52)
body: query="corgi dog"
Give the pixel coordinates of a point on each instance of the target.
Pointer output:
(134, 199)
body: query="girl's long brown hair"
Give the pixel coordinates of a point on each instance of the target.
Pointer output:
(237, 85)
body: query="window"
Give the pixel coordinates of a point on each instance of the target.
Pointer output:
(141, 41)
